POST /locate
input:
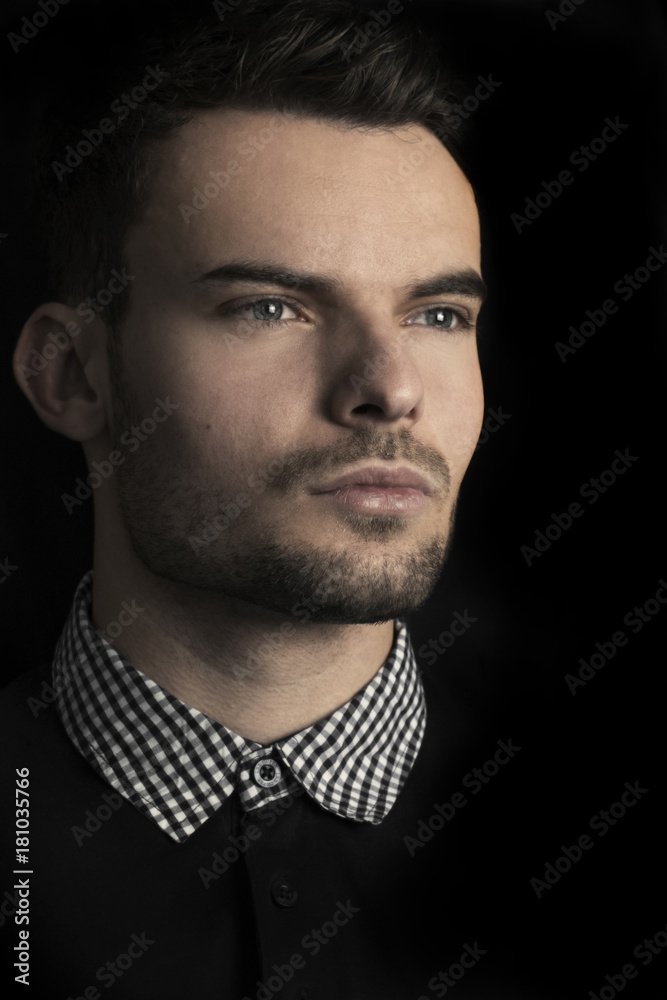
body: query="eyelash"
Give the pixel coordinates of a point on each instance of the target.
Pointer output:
(463, 324)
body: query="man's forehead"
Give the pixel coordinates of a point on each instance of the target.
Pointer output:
(298, 135)
(264, 150)
(258, 181)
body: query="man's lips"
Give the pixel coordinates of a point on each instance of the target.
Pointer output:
(383, 479)
(377, 490)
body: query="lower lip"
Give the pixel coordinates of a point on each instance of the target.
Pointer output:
(378, 500)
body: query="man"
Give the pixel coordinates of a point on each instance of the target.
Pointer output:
(266, 280)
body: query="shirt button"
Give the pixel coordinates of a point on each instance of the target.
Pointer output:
(284, 894)
(267, 772)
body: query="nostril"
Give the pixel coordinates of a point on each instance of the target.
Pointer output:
(365, 407)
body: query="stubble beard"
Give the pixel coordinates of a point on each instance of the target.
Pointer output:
(163, 505)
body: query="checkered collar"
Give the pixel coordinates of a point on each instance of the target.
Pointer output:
(177, 766)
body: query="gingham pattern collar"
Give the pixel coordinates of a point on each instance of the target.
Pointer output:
(177, 766)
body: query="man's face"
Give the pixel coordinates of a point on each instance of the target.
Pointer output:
(283, 386)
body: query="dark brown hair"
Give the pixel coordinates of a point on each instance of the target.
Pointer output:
(317, 59)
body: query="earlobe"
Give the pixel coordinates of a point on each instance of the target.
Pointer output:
(56, 366)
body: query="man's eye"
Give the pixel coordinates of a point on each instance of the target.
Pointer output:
(264, 311)
(268, 311)
(443, 318)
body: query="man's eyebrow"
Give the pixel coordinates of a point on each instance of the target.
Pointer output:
(466, 281)
(268, 274)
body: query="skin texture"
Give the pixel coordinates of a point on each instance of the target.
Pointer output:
(271, 613)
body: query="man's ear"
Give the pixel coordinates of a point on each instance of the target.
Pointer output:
(60, 366)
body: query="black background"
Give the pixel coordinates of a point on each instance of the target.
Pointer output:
(534, 622)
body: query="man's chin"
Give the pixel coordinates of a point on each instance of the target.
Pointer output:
(343, 588)
(371, 528)
(356, 585)
(362, 613)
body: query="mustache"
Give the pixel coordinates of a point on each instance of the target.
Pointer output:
(300, 466)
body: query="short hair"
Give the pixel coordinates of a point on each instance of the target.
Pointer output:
(313, 59)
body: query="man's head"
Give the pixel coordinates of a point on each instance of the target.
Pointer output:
(299, 257)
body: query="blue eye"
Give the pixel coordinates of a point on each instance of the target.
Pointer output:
(440, 317)
(270, 309)
(266, 311)
(276, 312)
(444, 318)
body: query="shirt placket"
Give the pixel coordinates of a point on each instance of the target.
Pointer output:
(262, 777)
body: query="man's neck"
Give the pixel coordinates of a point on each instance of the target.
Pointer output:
(261, 674)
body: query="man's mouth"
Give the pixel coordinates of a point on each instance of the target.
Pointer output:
(378, 490)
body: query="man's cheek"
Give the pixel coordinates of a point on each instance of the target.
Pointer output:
(463, 438)
(474, 424)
